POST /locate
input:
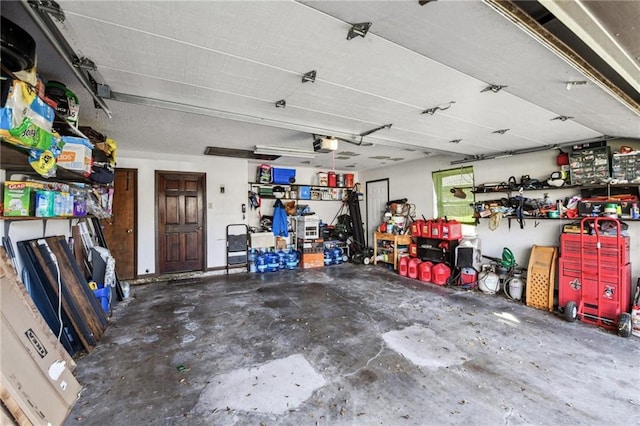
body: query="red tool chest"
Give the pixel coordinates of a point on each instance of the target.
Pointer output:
(595, 274)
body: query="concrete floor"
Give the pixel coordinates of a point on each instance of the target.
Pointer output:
(347, 345)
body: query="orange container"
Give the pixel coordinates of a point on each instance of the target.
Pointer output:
(413, 267)
(403, 266)
(424, 271)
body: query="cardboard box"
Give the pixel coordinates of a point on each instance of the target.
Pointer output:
(312, 260)
(19, 198)
(75, 155)
(262, 239)
(35, 370)
(281, 243)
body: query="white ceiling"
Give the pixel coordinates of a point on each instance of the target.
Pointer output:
(234, 59)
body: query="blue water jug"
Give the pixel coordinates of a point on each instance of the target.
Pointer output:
(281, 259)
(291, 260)
(273, 262)
(337, 255)
(252, 260)
(261, 262)
(328, 257)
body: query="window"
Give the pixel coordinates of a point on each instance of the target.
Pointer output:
(453, 196)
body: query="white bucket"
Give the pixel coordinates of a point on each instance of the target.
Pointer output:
(398, 221)
(323, 179)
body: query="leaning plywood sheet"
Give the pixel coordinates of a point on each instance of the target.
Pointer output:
(47, 301)
(541, 277)
(79, 303)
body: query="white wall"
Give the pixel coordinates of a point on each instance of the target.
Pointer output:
(413, 181)
(222, 209)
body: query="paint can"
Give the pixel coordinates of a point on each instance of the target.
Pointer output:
(340, 180)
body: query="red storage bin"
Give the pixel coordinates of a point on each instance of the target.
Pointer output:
(403, 266)
(413, 267)
(424, 271)
(413, 250)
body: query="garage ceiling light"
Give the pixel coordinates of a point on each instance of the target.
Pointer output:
(283, 151)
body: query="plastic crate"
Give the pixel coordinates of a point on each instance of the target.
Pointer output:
(283, 176)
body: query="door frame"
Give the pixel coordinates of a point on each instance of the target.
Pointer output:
(203, 179)
(135, 218)
(367, 203)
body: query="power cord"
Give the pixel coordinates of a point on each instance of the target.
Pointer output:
(43, 244)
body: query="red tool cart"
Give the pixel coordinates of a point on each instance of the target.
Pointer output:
(595, 275)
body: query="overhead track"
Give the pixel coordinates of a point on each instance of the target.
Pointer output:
(39, 12)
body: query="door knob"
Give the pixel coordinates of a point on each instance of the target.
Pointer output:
(129, 231)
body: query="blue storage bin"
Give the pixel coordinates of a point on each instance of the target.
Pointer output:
(305, 193)
(283, 176)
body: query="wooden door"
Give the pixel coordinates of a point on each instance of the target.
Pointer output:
(180, 200)
(120, 228)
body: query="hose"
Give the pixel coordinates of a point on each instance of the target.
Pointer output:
(494, 220)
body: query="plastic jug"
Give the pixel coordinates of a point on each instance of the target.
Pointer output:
(403, 266)
(440, 274)
(413, 267)
(424, 271)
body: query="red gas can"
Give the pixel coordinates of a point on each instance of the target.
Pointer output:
(413, 267)
(403, 266)
(451, 230)
(440, 274)
(413, 250)
(424, 271)
(426, 229)
(416, 228)
(436, 228)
